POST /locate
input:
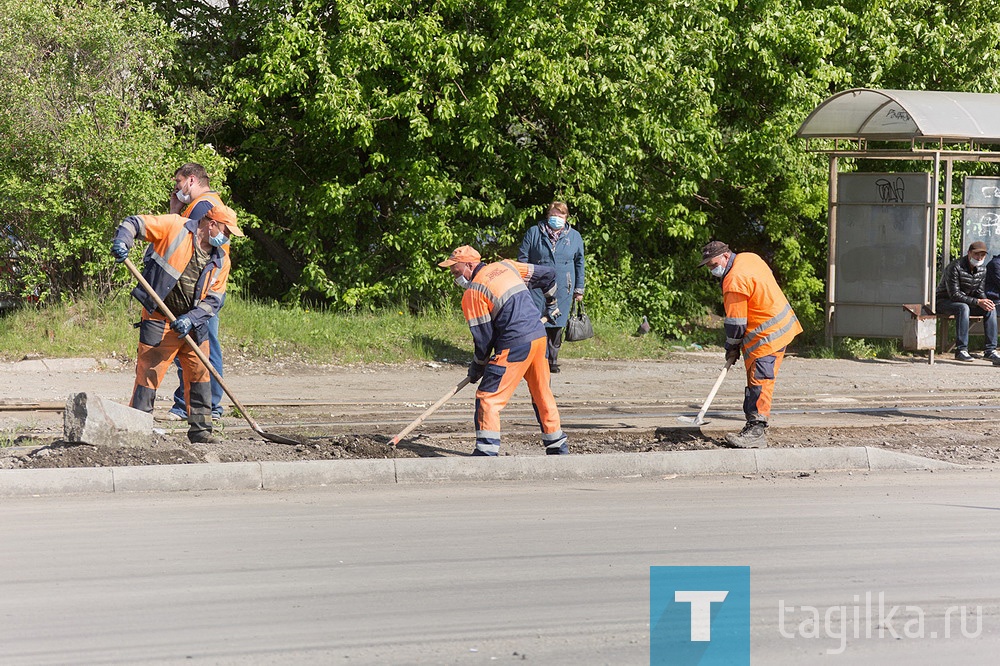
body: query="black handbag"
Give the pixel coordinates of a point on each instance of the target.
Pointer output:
(578, 326)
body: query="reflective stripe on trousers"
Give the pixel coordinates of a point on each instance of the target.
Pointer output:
(502, 375)
(761, 373)
(158, 345)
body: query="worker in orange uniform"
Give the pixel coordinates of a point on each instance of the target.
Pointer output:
(509, 341)
(188, 269)
(192, 197)
(760, 323)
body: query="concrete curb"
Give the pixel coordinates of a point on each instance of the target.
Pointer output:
(319, 473)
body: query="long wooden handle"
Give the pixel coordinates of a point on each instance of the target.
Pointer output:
(430, 410)
(711, 395)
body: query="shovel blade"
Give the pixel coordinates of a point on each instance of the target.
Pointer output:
(694, 420)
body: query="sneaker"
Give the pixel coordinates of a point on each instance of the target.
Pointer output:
(992, 355)
(216, 416)
(554, 368)
(171, 416)
(203, 437)
(753, 436)
(963, 355)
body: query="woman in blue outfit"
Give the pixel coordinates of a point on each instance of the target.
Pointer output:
(552, 242)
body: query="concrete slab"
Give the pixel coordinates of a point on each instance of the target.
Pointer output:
(90, 419)
(880, 459)
(68, 481)
(165, 478)
(312, 473)
(810, 459)
(502, 468)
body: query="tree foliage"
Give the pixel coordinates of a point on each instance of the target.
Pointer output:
(89, 132)
(368, 138)
(376, 136)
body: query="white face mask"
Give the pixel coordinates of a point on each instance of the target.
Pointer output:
(461, 282)
(183, 198)
(976, 263)
(719, 271)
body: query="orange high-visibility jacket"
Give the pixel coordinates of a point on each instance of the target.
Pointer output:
(758, 316)
(498, 306)
(172, 238)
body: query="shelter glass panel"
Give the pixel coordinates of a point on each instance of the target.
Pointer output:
(981, 218)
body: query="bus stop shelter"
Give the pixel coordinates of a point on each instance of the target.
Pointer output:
(890, 231)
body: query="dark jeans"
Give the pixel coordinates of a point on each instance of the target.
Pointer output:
(962, 312)
(215, 357)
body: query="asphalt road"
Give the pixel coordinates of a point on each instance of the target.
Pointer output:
(550, 573)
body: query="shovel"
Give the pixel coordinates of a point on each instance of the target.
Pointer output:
(430, 410)
(204, 359)
(700, 419)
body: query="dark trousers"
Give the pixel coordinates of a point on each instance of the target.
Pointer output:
(962, 311)
(553, 342)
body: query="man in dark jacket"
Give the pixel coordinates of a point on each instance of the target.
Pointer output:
(961, 293)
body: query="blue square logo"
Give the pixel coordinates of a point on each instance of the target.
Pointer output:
(699, 615)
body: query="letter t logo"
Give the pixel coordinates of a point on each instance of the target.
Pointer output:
(701, 610)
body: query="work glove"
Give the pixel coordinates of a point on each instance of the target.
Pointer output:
(182, 325)
(119, 250)
(475, 371)
(552, 311)
(732, 355)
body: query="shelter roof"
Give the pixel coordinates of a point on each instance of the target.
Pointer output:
(907, 115)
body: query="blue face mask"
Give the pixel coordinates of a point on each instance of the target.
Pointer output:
(557, 222)
(219, 240)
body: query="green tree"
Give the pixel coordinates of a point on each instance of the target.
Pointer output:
(91, 132)
(375, 136)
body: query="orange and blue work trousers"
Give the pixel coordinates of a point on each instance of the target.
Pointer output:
(158, 346)
(501, 376)
(761, 373)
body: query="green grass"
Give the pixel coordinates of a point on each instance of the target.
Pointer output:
(857, 348)
(90, 327)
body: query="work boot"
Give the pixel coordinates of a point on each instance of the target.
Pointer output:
(753, 436)
(553, 368)
(558, 448)
(203, 437)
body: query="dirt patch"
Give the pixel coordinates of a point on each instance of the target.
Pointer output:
(957, 445)
(345, 412)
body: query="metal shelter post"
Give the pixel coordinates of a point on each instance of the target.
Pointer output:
(831, 262)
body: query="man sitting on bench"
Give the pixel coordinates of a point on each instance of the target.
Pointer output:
(961, 294)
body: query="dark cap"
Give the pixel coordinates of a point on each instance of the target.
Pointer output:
(712, 250)
(978, 246)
